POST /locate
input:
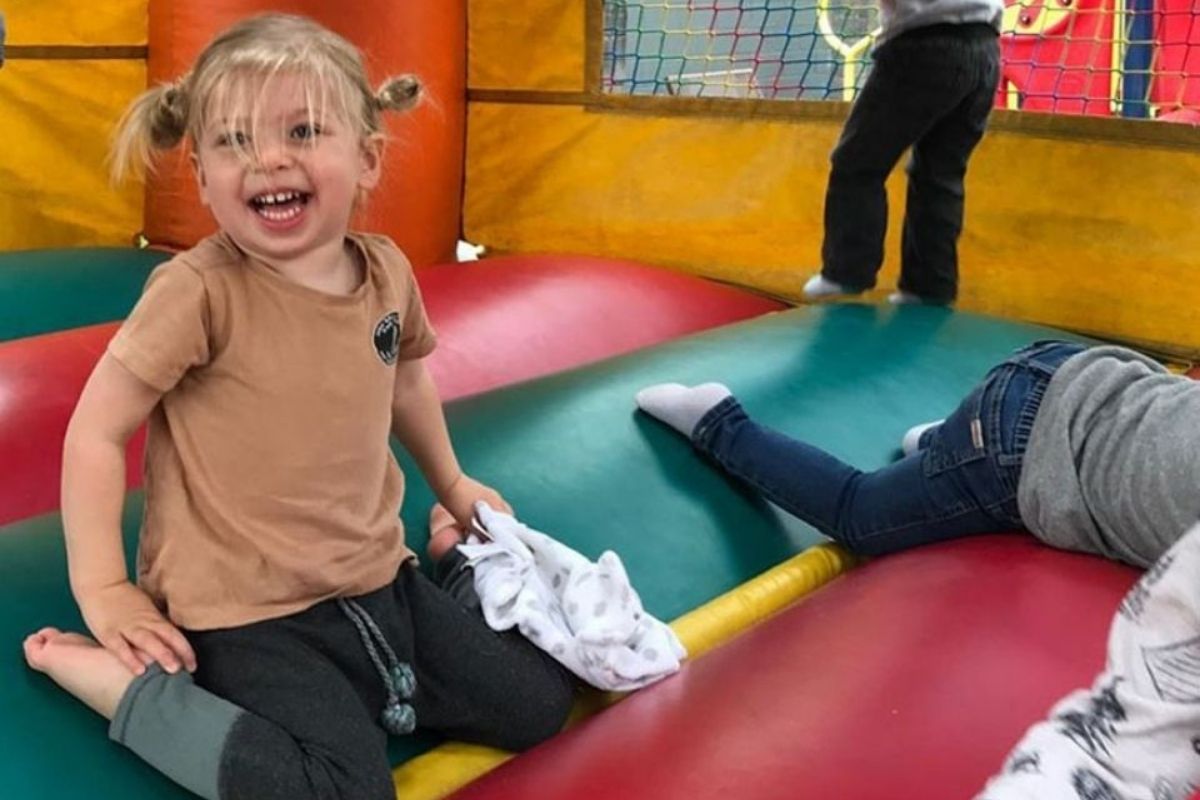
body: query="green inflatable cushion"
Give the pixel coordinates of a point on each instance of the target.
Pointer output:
(571, 455)
(42, 291)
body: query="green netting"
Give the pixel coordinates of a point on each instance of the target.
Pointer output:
(1134, 58)
(777, 49)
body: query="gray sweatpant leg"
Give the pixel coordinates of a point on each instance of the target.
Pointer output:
(176, 727)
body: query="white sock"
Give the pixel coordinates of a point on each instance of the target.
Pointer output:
(903, 298)
(681, 406)
(819, 286)
(912, 438)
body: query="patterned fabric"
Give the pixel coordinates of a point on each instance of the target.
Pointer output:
(1136, 734)
(586, 615)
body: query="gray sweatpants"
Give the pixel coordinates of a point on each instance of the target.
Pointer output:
(289, 708)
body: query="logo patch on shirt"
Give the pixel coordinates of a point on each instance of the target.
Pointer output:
(387, 338)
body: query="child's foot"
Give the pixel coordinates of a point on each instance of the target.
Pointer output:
(903, 298)
(81, 666)
(444, 532)
(818, 287)
(911, 442)
(681, 406)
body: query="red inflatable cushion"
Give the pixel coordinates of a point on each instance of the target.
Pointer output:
(499, 321)
(512, 318)
(40, 381)
(910, 678)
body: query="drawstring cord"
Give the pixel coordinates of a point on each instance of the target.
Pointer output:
(398, 718)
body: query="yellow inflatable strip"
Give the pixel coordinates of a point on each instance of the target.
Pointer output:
(446, 768)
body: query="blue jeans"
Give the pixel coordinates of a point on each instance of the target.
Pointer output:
(962, 480)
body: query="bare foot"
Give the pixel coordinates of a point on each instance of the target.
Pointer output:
(81, 666)
(444, 532)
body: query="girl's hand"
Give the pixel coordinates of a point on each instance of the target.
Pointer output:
(460, 498)
(125, 620)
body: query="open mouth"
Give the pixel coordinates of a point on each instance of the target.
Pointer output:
(280, 206)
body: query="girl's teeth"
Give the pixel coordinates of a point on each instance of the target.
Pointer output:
(278, 197)
(280, 216)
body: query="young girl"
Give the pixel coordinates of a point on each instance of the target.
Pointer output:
(1091, 449)
(279, 630)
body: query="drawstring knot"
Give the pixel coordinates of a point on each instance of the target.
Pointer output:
(399, 680)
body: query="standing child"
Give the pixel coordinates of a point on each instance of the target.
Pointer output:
(1090, 449)
(279, 629)
(936, 69)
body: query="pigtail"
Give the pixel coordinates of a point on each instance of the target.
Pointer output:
(156, 120)
(399, 93)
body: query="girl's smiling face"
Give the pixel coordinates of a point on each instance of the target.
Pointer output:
(283, 180)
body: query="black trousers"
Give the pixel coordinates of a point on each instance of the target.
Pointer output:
(313, 697)
(932, 90)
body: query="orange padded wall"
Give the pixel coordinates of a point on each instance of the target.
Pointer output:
(419, 201)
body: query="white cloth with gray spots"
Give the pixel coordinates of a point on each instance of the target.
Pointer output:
(1136, 734)
(584, 614)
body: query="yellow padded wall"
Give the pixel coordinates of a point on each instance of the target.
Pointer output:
(723, 197)
(1067, 223)
(535, 47)
(110, 22)
(57, 117)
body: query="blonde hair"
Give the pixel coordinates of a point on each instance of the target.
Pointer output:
(247, 55)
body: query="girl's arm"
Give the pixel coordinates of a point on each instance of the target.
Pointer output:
(113, 405)
(420, 425)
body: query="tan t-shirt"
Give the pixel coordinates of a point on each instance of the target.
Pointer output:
(270, 484)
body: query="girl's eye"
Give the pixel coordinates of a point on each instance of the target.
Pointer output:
(305, 131)
(237, 138)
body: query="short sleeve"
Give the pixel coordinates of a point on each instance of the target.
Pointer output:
(166, 334)
(417, 338)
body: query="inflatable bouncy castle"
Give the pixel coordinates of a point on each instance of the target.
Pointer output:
(645, 181)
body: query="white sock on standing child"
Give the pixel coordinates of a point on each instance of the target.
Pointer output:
(818, 287)
(681, 406)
